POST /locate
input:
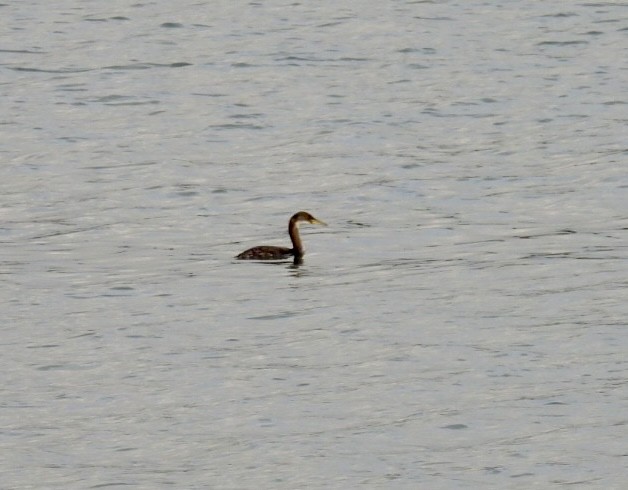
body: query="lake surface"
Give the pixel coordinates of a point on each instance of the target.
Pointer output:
(461, 322)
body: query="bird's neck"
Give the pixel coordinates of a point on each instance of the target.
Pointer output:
(293, 231)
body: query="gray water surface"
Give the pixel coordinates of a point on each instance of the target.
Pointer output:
(461, 322)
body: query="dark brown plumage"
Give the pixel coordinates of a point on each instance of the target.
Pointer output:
(269, 252)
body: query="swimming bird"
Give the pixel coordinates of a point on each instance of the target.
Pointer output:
(269, 252)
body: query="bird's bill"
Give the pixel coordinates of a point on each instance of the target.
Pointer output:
(315, 221)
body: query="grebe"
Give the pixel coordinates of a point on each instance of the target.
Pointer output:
(269, 252)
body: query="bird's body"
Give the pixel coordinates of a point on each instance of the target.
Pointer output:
(266, 252)
(269, 252)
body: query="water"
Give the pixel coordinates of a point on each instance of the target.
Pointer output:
(461, 322)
